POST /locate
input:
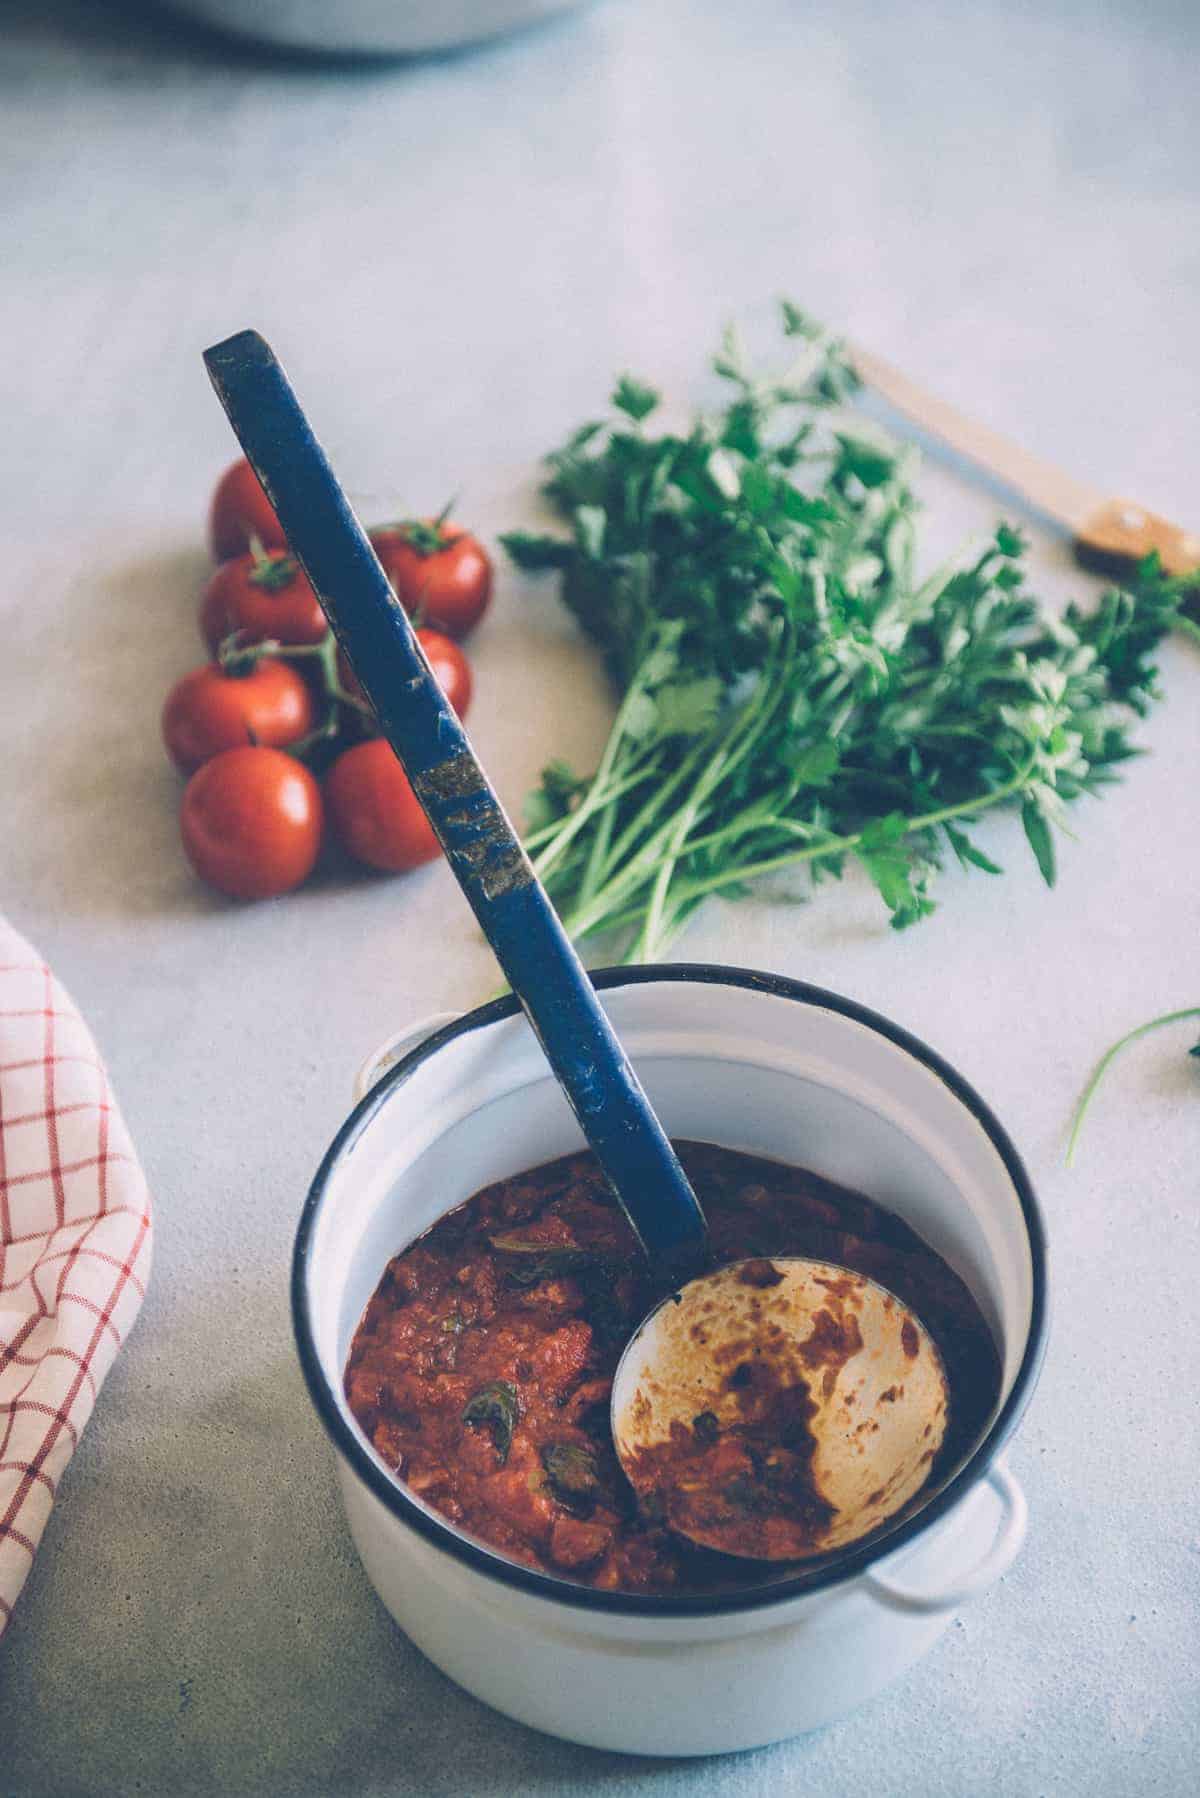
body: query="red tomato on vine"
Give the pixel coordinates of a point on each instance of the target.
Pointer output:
(214, 708)
(438, 570)
(375, 812)
(266, 596)
(240, 512)
(251, 822)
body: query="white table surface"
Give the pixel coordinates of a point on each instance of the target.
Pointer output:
(453, 258)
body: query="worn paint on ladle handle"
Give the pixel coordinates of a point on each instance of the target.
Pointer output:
(481, 846)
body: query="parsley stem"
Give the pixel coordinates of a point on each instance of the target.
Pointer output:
(598, 854)
(617, 790)
(658, 799)
(595, 790)
(1106, 1061)
(843, 845)
(587, 918)
(562, 832)
(742, 827)
(678, 837)
(714, 764)
(1188, 626)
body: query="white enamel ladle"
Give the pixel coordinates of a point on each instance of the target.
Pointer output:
(822, 1399)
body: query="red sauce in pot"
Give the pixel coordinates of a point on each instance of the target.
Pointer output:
(483, 1365)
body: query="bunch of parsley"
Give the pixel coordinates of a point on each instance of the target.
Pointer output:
(793, 695)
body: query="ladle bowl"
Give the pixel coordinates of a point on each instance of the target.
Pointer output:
(779, 1408)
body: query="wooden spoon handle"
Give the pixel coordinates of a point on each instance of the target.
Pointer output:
(1122, 534)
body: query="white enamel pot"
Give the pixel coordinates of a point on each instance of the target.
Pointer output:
(752, 1062)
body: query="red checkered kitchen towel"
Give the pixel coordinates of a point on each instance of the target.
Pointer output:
(74, 1245)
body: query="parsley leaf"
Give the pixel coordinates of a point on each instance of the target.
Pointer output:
(968, 855)
(1040, 841)
(529, 550)
(572, 1476)
(495, 1407)
(635, 399)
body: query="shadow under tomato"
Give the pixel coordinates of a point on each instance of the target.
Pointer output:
(96, 811)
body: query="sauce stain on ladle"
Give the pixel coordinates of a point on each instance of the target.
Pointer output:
(779, 1408)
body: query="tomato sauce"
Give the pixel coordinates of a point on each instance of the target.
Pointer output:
(482, 1367)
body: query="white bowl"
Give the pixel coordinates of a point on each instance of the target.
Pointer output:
(752, 1062)
(368, 27)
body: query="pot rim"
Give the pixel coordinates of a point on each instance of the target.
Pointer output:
(836, 1569)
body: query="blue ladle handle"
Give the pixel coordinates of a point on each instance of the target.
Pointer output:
(481, 846)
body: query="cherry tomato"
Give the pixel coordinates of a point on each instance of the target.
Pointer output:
(251, 822)
(451, 670)
(210, 710)
(264, 597)
(439, 570)
(375, 812)
(241, 510)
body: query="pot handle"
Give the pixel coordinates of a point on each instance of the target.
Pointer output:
(1014, 1516)
(393, 1048)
